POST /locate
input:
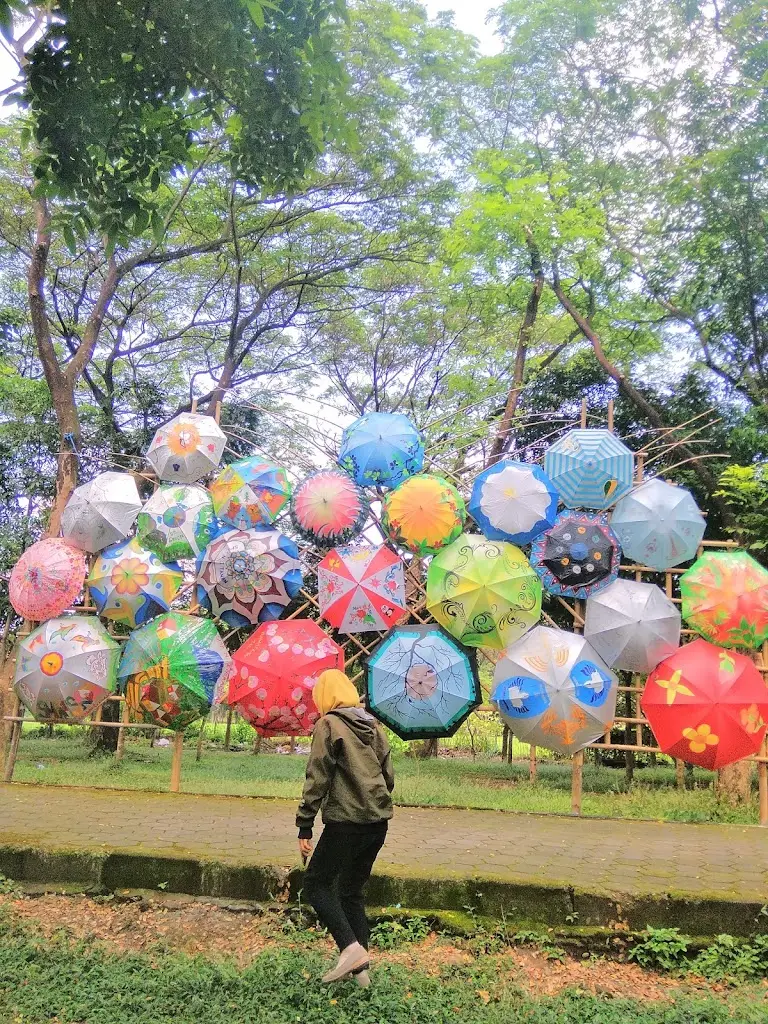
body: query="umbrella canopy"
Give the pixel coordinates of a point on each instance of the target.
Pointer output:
(553, 689)
(725, 598)
(658, 525)
(329, 508)
(187, 449)
(706, 706)
(66, 668)
(513, 501)
(590, 468)
(129, 584)
(273, 674)
(173, 669)
(46, 579)
(632, 626)
(578, 556)
(421, 684)
(248, 576)
(361, 589)
(250, 492)
(423, 514)
(101, 512)
(381, 449)
(178, 521)
(484, 592)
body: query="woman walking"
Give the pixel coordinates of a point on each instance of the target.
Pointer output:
(349, 776)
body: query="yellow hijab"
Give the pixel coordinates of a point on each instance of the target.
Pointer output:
(334, 689)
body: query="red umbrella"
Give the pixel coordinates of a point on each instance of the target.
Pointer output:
(273, 674)
(706, 705)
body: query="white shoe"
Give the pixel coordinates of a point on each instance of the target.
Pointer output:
(353, 958)
(362, 978)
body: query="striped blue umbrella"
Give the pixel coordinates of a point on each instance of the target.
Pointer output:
(381, 449)
(590, 468)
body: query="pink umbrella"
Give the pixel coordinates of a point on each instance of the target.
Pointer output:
(46, 579)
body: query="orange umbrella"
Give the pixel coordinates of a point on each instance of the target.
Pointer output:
(424, 514)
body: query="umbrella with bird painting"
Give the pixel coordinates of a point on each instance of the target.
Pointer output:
(329, 508)
(632, 626)
(187, 449)
(424, 513)
(47, 579)
(177, 522)
(250, 493)
(513, 501)
(130, 585)
(361, 588)
(725, 598)
(101, 512)
(590, 468)
(578, 556)
(381, 449)
(658, 525)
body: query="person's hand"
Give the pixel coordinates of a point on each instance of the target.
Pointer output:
(305, 848)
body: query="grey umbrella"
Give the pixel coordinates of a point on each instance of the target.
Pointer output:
(101, 512)
(633, 626)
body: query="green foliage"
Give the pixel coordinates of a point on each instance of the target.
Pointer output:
(729, 959)
(662, 949)
(745, 488)
(396, 930)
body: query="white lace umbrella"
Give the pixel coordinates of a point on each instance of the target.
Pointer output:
(101, 512)
(633, 626)
(187, 448)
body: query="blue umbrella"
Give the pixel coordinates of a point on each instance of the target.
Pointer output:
(513, 501)
(590, 468)
(659, 525)
(381, 449)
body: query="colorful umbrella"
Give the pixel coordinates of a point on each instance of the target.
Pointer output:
(421, 684)
(273, 674)
(513, 501)
(131, 585)
(173, 669)
(46, 579)
(578, 556)
(423, 514)
(552, 689)
(178, 521)
(101, 512)
(632, 626)
(187, 449)
(66, 668)
(381, 449)
(361, 589)
(706, 706)
(248, 576)
(484, 592)
(329, 508)
(725, 598)
(658, 525)
(590, 468)
(250, 492)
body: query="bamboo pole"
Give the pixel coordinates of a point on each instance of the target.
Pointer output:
(577, 781)
(762, 781)
(13, 746)
(178, 748)
(228, 730)
(532, 766)
(200, 737)
(125, 718)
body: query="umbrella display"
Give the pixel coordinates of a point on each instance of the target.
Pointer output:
(421, 684)
(658, 525)
(173, 669)
(187, 449)
(273, 674)
(552, 689)
(248, 576)
(361, 589)
(101, 512)
(47, 579)
(129, 584)
(578, 556)
(513, 501)
(725, 598)
(66, 668)
(381, 449)
(423, 514)
(177, 522)
(632, 626)
(329, 508)
(590, 468)
(250, 492)
(484, 592)
(706, 706)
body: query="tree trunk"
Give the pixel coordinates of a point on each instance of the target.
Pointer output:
(426, 748)
(734, 783)
(105, 740)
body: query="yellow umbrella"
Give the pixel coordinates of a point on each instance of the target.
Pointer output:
(424, 514)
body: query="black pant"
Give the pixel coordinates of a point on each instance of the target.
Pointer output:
(337, 872)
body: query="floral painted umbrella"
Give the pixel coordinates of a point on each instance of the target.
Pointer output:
(47, 579)
(248, 576)
(177, 522)
(101, 512)
(632, 626)
(706, 706)
(130, 585)
(590, 468)
(513, 501)
(273, 674)
(578, 556)
(66, 668)
(250, 492)
(173, 669)
(381, 449)
(658, 525)
(424, 513)
(187, 449)
(361, 589)
(725, 598)
(329, 508)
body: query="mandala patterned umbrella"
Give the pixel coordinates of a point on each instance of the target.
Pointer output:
(424, 514)
(250, 492)
(725, 598)
(484, 592)
(47, 579)
(173, 669)
(177, 522)
(66, 669)
(658, 525)
(706, 705)
(381, 449)
(129, 584)
(553, 689)
(421, 684)
(248, 576)
(361, 589)
(632, 626)
(187, 449)
(578, 556)
(513, 501)
(101, 512)
(273, 674)
(329, 508)
(590, 468)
